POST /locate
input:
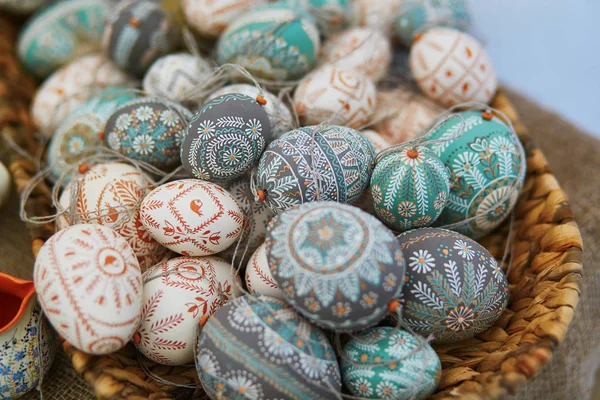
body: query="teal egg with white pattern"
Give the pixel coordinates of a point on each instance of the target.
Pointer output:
(79, 135)
(416, 16)
(60, 33)
(331, 15)
(389, 363)
(487, 171)
(409, 188)
(274, 42)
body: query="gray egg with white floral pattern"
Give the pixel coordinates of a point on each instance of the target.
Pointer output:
(454, 288)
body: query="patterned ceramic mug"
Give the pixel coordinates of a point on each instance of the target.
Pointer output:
(26, 340)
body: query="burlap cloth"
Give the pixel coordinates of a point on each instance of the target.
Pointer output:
(575, 159)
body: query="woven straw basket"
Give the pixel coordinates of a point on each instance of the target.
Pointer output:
(544, 277)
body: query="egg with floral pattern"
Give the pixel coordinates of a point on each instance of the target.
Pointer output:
(337, 266)
(258, 347)
(342, 158)
(389, 363)
(60, 33)
(409, 188)
(149, 130)
(273, 42)
(487, 170)
(454, 289)
(210, 18)
(259, 279)
(138, 33)
(331, 15)
(80, 134)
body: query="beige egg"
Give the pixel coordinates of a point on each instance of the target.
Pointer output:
(451, 67)
(89, 284)
(376, 140)
(192, 217)
(408, 114)
(259, 279)
(379, 14)
(70, 86)
(364, 50)
(209, 17)
(337, 96)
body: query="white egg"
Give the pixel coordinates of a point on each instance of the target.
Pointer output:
(178, 295)
(209, 18)
(259, 279)
(192, 217)
(230, 286)
(335, 95)
(379, 14)
(89, 284)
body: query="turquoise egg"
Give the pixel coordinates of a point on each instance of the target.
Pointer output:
(389, 363)
(62, 32)
(78, 135)
(331, 15)
(274, 42)
(409, 188)
(487, 171)
(148, 130)
(416, 16)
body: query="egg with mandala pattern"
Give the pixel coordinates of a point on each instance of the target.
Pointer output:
(89, 284)
(342, 158)
(487, 170)
(258, 347)
(331, 15)
(259, 279)
(109, 194)
(80, 134)
(192, 217)
(273, 42)
(409, 188)
(454, 289)
(60, 33)
(149, 130)
(389, 363)
(225, 138)
(337, 266)
(279, 115)
(138, 33)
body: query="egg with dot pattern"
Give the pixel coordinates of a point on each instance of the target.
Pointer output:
(487, 170)
(336, 265)
(258, 347)
(454, 289)
(389, 363)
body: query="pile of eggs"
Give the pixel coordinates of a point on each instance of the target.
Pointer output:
(233, 223)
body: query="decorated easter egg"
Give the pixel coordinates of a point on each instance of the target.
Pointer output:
(257, 214)
(178, 294)
(70, 86)
(258, 347)
(109, 194)
(259, 279)
(374, 14)
(60, 33)
(280, 116)
(487, 170)
(89, 284)
(407, 114)
(4, 184)
(336, 265)
(209, 18)
(417, 16)
(172, 76)
(80, 134)
(228, 284)
(336, 96)
(409, 188)
(312, 163)
(365, 50)
(192, 217)
(451, 67)
(454, 288)
(225, 138)
(21, 6)
(331, 15)
(377, 140)
(149, 130)
(138, 33)
(276, 43)
(388, 363)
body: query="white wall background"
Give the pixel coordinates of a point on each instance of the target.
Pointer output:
(548, 50)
